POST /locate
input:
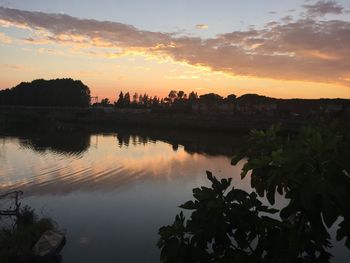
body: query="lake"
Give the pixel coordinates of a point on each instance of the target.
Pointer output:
(112, 191)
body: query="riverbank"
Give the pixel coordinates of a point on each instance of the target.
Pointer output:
(63, 117)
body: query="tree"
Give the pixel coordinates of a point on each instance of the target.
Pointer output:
(140, 99)
(253, 99)
(180, 95)
(231, 98)
(40, 92)
(210, 99)
(126, 100)
(120, 101)
(172, 95)
(310, 170)
(105, 102)
(145, 100)
(135, 98)
(155, 101)
(193, 96)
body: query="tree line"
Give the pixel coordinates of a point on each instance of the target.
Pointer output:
(73, 93)
(57, 92)
(174, 98)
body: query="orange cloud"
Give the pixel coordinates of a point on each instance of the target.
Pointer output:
(301, 50)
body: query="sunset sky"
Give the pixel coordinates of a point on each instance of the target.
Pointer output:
(284, 49)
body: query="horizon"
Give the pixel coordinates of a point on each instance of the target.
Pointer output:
(197, 93)
(295, 49)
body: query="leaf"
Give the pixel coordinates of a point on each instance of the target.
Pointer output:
(189, 205)
(209, 175)
(271, 194)
(239, 194)
(236, 159)
(330, 212)
(280, 189)
(265, 209)
(289, 210)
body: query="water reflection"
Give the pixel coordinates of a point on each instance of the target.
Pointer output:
(72, 143)
(113, 190)
(61, 163)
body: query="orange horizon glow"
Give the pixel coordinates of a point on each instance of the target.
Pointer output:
(111, 57)
(180, 76)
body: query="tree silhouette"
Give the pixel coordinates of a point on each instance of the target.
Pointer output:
(210, 99)
(120, 100)
(180, 94)
(309, 170)
(40, 92)
(135, 98)
(105, 102)
(231, 98)
(126, 100)
(172, 95)
(193, 96)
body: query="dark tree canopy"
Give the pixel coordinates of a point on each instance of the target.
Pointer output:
(307, 171)
(193, 96)
(40, 92)
(210, 98)
(254, 98)
(105, 102)
(231, 98)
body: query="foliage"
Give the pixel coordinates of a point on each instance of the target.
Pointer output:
(105, 102)
(40, 92)
(309, 169)
(254, 98)
(16, 244)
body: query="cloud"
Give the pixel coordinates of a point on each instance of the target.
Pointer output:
(302, 50)
(202, 26)
(322, 8)
(4, 39)
(13, 66)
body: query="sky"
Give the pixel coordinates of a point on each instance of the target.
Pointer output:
(283, 49)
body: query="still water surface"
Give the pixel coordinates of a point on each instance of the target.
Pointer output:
(111, 192)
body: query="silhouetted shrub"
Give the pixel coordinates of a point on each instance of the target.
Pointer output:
(40, 92)
(16, 243)
(310, 170)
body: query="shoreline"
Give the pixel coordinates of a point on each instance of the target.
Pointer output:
(69, 117)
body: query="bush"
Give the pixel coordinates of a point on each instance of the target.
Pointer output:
(16, 244)
(310, 169)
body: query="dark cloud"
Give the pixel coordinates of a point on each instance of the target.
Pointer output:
(305, 49)
(322, 8)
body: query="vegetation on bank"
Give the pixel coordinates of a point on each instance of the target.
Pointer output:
(40, 92)
(174, 99)
(73, 93)
(310, 170)
(16, 242)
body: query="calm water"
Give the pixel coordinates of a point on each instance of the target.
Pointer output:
(112, 192)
